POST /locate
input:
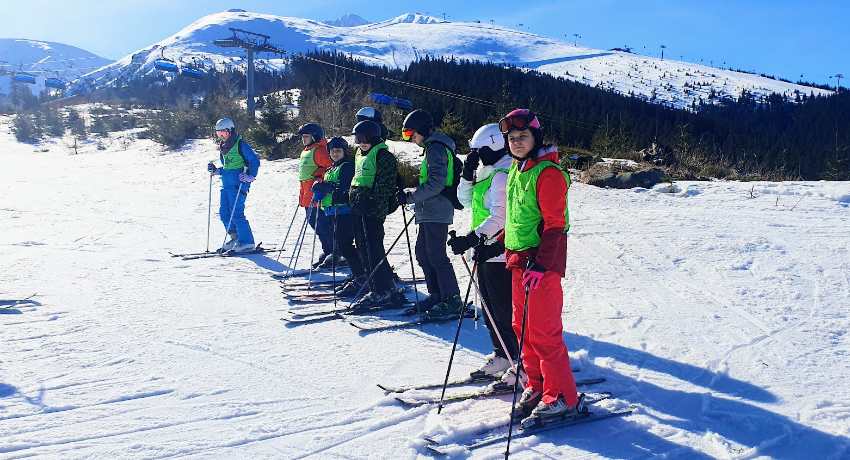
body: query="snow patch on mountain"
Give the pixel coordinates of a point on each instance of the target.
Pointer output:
(43, 60)
(349, 20)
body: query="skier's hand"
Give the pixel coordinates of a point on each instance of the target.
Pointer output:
(213, 170)
(402, 197)
(460, 244)
(246, 178)
(318, 195)
(323, 186)
(470, 165)
(364, 206)
(340, 197)
(485, 252)
(532, 276)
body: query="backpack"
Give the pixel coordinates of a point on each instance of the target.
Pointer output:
(450, 192)
(392, 203)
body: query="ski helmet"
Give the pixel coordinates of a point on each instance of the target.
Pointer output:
(367, 131)
(519, 119)
(338, 143)
(370, 113)
(488, 136)
(418, 121)
(225, 124)
(314, 130)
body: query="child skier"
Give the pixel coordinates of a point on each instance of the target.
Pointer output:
(314, 161)
(536, 240)
(239, 166)
(483, 190)
(434, 213)
(372, 188)
(332, 193)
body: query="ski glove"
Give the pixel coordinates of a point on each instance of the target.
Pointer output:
(323, 186)
(532, 276)
(340, 196)
(402, 197)
(318, 195)
(213, 170)
(485, 252)
(460, 244)
(246, 178)
(470, 165)
(365, 205)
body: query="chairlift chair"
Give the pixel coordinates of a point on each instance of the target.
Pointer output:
(164, 64)
(24, 77)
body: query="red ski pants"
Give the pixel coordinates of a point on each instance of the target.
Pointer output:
(544, 354)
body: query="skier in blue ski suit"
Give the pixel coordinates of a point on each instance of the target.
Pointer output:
(239, 168)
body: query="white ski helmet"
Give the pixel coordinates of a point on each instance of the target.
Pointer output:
(488, 136)
(224, 124)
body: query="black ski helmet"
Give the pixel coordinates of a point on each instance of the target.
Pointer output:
(314, 130)
(370, 113)
(338, 143)
(419, 121)
(367, 130)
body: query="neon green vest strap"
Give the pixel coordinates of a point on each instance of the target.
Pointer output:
(233, 159)
(365, 166)
(479, 213)
(308, 165)
(423, 170)
(331, 175)
(523, 211)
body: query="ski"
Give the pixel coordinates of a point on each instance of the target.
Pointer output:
(306, 271)
(313, 319)
(493, 438)
(457, 383)
(257, 250)
(201, 255)
(409, 324)
(344, 311)
(502, 389)
(12, 303)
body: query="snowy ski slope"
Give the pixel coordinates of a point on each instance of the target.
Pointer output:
(718, 311)
(399, 41)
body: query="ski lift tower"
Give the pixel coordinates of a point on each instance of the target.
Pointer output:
(252, 43)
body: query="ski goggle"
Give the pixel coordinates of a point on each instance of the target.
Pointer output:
(223, 131)
(407, 133)
(518, 122)
(361, 138)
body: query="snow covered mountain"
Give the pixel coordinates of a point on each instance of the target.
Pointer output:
(399, 41)
(44, 60)
(349, 20)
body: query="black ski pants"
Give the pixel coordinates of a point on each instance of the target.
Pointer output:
(369, 237)
(342, 226)
(431, 255)
(494, 281)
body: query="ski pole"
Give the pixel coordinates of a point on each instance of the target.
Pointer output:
(209, 213)
(313, 248)
(296, 249)
(287, 234)
(486, 309)
(457, 333)
(235, 202)
(519, 365)
(412, 268)
(333, 261)
(375, 270)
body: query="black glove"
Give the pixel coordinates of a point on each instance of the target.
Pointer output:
(323, 186)
(470, 165)
(485, 252)
(460, 244)
(213, 170)
(365, 205)
(340, 197)
(402, 197)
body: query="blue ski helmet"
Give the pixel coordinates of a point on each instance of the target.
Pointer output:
(314, 130)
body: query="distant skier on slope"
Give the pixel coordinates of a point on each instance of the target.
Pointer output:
(482, 188)
(536, 240)
(239, 168)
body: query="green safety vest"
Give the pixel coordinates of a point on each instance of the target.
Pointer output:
(523, 211)
(233, 159)
(331, 175)
(479, 213)
(365, 166)
(308, 166)
(423, 170)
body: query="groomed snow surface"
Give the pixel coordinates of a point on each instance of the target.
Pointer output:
(718, 311)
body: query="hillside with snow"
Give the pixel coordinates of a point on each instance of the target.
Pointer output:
(44, 60)
(717, 311)
(402, 40)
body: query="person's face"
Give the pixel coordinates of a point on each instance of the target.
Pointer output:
(306, 139)
(364, 147)
(417, 138)
(223, 134)
(337, 154)
(521, 142)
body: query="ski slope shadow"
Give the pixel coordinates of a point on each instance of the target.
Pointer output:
(264, 261)
(535, 64)
(708, 412)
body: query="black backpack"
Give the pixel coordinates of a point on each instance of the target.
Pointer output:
(450, 192)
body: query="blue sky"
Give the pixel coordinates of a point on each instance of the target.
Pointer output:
(781, 38)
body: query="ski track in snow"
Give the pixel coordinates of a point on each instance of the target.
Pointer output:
(720, 316)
